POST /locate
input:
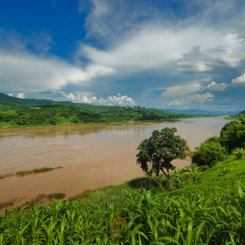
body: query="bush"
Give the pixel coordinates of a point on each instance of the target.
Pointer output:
(209, 153)
(232, 135)
(239, 153)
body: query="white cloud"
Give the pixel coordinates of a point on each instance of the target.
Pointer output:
(180, 102)
(185, 89)
(119, 100)
(239, 80)
(20, 96)
(204, 97)
(147, 49)
(189, 101)
(28, 72)
(153, 47)
(213, 86)
(110, 20)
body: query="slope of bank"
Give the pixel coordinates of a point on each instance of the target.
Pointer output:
(205, 207)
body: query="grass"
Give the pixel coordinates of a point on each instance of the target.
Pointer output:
(205, 207)
(35, 171)
(43, 199)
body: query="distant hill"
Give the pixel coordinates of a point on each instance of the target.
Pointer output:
(13, 101)
(16, 112)
(9, 100)
(203, 112)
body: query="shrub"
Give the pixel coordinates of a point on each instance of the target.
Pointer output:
(232, 135)
(239, 153)
(209, 153)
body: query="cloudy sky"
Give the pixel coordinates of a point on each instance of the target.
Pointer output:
(181, 54)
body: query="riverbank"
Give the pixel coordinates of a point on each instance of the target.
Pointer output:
(89, 157)
(71, 181)
(198, 209)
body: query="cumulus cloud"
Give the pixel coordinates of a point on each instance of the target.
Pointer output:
(140, 44)
(20, 96)
(195, 49)
(176, 91)
(180, 102)
(28, 72)
(204, 97)
(118, 100)
(239, 80)
(197, 99)
(155, 46)
(213, 86)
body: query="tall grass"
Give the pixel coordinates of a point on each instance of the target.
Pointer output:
(203, 211)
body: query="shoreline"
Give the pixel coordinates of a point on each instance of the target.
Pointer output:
(83, 179)
(90, 157)
(86, 125)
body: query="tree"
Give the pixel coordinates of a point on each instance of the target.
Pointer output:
(209, 153)
(232, 135)
(156, 153)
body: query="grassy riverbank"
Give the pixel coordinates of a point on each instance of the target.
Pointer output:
(204, 207)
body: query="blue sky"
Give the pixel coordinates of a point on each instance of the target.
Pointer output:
(180, 54)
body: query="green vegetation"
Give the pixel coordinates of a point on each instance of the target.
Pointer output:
(13, 101)
(215, 149)
(42, 199)
(232, 135)
(209, 153)
(22, 116)
(205, 207)
(240, 116)
(157, 152)
(34, 171)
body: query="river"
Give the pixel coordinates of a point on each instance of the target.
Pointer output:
(89, 157)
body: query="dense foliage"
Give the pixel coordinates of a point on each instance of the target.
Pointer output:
(232, 135)
(209, 153)
(75, 114)
(231, 139)
(156, 153)
(207, 209)
(16, 112)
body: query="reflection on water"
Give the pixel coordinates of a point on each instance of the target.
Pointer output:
(27, 149)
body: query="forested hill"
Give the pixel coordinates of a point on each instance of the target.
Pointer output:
(16, 112)
(9, 100)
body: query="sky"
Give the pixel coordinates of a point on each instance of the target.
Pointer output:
(169, 54)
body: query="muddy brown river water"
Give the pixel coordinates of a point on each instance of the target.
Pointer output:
(89, 157)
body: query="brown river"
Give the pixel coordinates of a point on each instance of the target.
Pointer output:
(89, 157)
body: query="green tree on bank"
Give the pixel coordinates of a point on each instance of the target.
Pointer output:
(156, 153)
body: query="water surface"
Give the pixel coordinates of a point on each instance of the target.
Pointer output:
(89, 157)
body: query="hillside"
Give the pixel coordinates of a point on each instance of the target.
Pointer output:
(30, 112)
(13, 101)
(207, 208)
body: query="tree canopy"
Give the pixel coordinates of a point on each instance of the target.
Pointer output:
(232, 135)
(156, 153)
(209, 153)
